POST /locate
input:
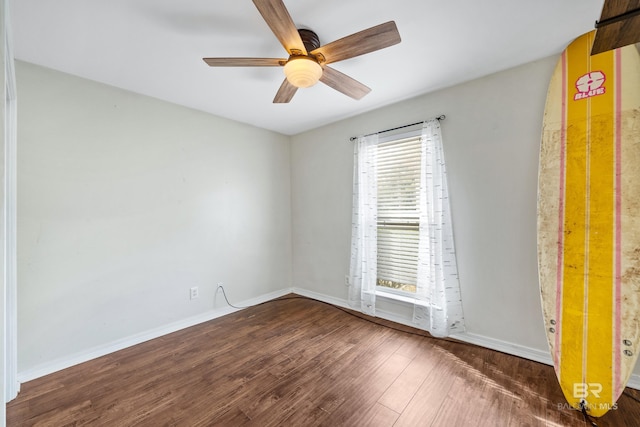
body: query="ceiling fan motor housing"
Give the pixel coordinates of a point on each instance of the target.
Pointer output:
(309, 39)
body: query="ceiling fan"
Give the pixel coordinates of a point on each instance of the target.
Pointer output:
(619, 25)
(308, 61)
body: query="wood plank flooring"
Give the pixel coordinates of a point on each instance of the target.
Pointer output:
(300, 362)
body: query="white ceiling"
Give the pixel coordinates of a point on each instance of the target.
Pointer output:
(155, 47)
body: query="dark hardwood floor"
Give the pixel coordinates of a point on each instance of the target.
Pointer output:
(299, 362)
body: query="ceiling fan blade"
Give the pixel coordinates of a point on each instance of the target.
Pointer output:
(285, 93)
(244, 62)
(365, 41)
(619, 25)
(277, 17)
(343, 83)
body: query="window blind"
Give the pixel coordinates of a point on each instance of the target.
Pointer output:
(399, 172)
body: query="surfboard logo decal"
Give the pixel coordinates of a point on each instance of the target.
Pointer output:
(589, 85)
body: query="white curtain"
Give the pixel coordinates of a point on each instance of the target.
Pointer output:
(11, 385)
(364, 227)
(438, 307)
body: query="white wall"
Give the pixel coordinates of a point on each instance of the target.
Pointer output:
(491, 137)
(9, 133)
(3, 324)
(125, 202)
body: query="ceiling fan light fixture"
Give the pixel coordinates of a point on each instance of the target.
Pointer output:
(302, 71)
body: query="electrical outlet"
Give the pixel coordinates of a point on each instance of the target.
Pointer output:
(346, 280)
(194, 292)
(219, 287)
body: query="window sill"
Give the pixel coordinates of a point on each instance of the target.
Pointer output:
(403, 298)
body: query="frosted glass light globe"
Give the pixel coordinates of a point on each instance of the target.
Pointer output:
(302, 71)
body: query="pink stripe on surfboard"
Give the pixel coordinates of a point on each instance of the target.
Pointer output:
(559, 270)
(618, 229)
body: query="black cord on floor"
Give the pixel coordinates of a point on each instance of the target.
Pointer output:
(231, 305)
(587, 418)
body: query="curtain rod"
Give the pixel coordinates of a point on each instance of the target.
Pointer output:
(440, 117)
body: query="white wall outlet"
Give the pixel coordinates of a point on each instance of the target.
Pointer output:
(193, 292)
(219, 287)
(346, 280)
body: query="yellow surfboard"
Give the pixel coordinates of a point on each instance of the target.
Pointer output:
(589, 222)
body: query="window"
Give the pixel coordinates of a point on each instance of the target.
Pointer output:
(401, 232)
(398, 212)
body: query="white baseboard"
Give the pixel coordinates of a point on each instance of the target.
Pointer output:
(634, 381)
(541, 356)
(93, 353)
(321, 297)
(102, 350)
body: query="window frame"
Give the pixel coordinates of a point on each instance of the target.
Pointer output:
(383, 291)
